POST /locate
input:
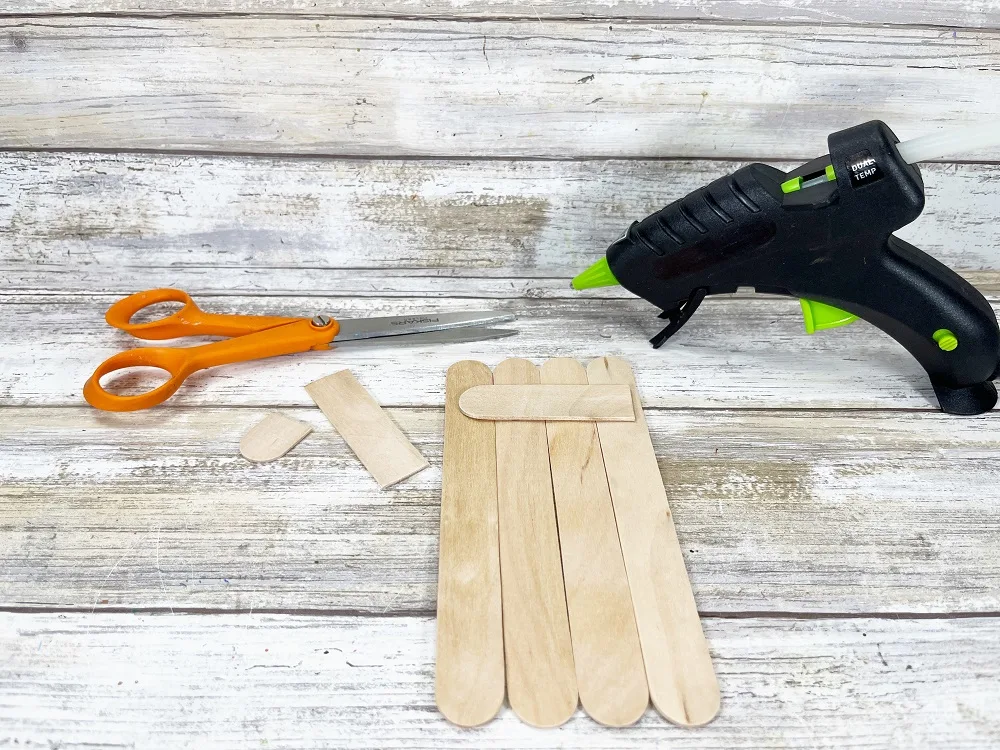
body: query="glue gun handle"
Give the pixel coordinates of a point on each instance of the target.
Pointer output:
(940, 318)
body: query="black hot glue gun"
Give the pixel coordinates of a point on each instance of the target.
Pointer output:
(823, 233)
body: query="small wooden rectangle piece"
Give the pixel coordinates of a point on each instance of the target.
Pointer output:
(375, 439)
(272, 437)
(682, 682)
(541, 681)
(571, 403)
(469, 672)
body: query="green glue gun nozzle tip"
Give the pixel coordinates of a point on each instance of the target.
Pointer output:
(597, 275)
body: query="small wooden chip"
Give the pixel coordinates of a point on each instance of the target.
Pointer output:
(571, 403)
(541, 681)
(682, 682)
(272, 437)
(469, 674)
(375, 439)
(609, 669)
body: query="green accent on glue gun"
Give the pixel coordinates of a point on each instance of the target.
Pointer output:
(945, 339)
(790, 186)
(798, 183)
(821, 317)
(597, 275)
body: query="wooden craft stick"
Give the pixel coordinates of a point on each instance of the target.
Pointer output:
(541, 681)
(505, 403)
(609, 667)
(682, 682)
(374, 438)
(272, 437)
(469, 679)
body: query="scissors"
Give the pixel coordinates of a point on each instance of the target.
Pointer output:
(255, 337)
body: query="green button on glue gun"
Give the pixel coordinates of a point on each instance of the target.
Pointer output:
(823, 233)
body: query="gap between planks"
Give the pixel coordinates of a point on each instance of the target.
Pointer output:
(138, 14)
(388, 614)
(461, 158)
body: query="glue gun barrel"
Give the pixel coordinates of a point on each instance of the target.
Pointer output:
(958, 140)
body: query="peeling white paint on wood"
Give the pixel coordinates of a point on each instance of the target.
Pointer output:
(912, 12)
(777, 511)
(443, 87)
(98, 222)
(278, 681)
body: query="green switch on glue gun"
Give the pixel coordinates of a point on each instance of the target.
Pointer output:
(823, 233)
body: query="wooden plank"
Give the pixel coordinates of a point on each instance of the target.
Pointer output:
(85, 222)
(734, 353)
(320, 682)
(375, 439)
(565, 403)
(272, 437)
(930, 12)
(609, 668)
(682, 683)
(435, 87)
(469, 667)
(541, 681)
(777, 511)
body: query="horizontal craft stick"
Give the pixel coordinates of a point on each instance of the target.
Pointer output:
(469, 673)
(584, 403)
(682, 682)
(377, 442)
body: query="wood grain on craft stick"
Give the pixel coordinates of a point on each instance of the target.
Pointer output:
(272, 437)
(469, 673)
(551, 402)
(682, 682)
(375, 439)
(541, 681)
(609, 668)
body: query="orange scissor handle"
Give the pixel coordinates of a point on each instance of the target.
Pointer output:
(190, 320)
(300, 335)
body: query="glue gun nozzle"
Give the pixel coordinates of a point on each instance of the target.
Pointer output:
(597, 275)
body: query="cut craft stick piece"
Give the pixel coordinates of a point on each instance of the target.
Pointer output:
(541, 681)
(609, 667)
(272, 437)
(682, 682)
(377, 442)
(469, 677)
(552, 402)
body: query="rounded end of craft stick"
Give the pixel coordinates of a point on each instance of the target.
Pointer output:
(463, 713)
(470, 366)
(691, 711)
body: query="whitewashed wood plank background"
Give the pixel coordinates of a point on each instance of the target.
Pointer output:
(838, 529)
(947, 13)
(778, 511)
(365, 682)
(210, 222)
(350, 86)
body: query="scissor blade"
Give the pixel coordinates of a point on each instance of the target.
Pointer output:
(405, 325)
(447, 336)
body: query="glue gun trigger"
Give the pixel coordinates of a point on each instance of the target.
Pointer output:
(678, 316)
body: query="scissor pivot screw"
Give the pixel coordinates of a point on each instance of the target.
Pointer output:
(321, 321)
